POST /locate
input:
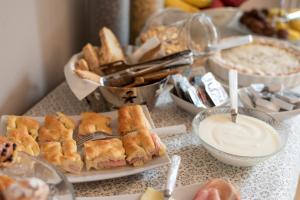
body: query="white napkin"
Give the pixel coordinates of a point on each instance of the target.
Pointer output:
(80, 87)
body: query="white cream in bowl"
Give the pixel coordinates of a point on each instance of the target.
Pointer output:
(247, 137)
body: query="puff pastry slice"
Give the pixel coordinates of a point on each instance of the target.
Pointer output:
(56, 128)
(24, 141)
(71, 161)
(93, 122)
(32, 126)
(52, 152)
(141, 146)
(131, 118)
(99, 154)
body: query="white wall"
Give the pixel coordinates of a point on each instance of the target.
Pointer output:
(37, 37)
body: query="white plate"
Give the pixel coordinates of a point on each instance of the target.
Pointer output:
(94, 175)
(181, 193)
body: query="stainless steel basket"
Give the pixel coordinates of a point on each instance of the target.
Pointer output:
(108, 98)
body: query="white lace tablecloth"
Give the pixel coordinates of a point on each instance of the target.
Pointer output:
(274, 179)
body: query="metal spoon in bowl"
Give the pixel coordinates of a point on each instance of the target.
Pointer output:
(233, 90)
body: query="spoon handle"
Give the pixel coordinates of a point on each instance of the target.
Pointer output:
(233, 88)
(172, 175)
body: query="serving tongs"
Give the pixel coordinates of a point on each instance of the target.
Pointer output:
(120, 73)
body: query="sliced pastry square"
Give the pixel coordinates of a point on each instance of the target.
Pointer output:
(52, 152)
(71, 161)
(57, 128)
(24, 141)
(93, 122)
(131, 118)
(100, 154)
(141, 146)
(32, 126)
(7, 152)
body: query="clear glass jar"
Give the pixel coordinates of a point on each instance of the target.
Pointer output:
(178, 30)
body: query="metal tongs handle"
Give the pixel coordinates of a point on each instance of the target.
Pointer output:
(172, 175)
(181, 58)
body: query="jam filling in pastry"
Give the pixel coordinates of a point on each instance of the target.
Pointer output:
(32, 126)
(24, 141)
(93, 122)
(132, 118)
(7, 152)
(141, 146)
(100, 154)
(57, 128)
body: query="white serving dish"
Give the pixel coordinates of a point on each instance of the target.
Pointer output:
(233, 159)
(216, 66)
(185, 105)
(180, 193)
(95, 175)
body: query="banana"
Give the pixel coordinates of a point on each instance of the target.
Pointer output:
(295, 24)
(181, 5)
(199, 3)
(293, 35)
(281, 25)
(272, 12)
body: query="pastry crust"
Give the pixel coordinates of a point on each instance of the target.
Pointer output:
(32, 126)
(7, 151)
(92, 122)
(139, 147)
(63, 154)
(100, 154)
(24, 141)
(71, 161)
(132, 118)
(56, 128)
(52, 152)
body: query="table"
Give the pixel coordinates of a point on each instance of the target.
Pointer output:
(274, 179)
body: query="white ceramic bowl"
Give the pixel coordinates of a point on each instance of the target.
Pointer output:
(236, 160)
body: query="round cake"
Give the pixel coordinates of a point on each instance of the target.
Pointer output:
(265, 60)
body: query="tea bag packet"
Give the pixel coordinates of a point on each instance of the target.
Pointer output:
(201, 91)
(282, 104)
(258, 87)
(246, 99)
(176, 79)
(273, 98)
(266, 105)
(214, 89)
(190, 93)
(289, 96)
